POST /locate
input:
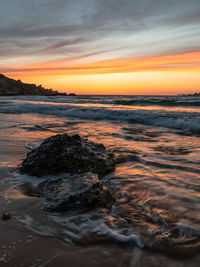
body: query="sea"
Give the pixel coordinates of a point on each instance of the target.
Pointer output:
(156, 141)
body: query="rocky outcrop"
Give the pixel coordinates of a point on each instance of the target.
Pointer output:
(65, 153)
(74, 191)
(82, 160)
(9, 87)
(77, 191)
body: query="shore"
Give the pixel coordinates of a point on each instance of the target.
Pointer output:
(21, 247)
(156, 180)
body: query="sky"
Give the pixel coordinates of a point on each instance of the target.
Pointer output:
(102, 46)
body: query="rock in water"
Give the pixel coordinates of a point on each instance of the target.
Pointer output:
(65, 153)
(83, 191)
(83, 161)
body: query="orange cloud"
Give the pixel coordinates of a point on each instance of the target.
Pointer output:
(125, 65)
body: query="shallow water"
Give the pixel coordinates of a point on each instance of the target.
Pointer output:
(157, 180)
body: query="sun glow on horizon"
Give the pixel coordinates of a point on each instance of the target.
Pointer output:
(167, 74)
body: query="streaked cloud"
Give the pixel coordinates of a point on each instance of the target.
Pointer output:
(122, 65)
(40, 24)
(98, 36)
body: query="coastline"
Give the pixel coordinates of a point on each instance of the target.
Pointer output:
(11, 87)
(20, 246)
(143, 149)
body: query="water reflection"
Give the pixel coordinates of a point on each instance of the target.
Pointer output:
(156, 182)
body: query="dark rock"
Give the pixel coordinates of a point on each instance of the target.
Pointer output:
(72, 94)
(65, 153)
(83, 191)
(83, 161)
(11, 87)
(6, 216)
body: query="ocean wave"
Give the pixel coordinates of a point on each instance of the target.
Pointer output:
(165, 101)
(60, 99)
(187, 121)
(159, 102)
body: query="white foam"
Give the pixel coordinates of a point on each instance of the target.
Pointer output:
(182, 120)
(34, 180)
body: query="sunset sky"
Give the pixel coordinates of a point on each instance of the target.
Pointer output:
(102, 46)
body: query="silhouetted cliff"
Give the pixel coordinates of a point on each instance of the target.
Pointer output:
(9, 87)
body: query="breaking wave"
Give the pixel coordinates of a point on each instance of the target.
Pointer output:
(181, 120)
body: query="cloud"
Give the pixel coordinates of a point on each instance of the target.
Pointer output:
(49, 29)
(189, 61)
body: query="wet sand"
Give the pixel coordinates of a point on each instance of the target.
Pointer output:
(160, 173)
(21, 247)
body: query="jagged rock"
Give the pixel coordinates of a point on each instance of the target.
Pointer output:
(65, 153)
(83, 191)
(10, 87)
(82, 160)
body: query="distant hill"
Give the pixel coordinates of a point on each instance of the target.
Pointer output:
(9, 87)
(194, 94)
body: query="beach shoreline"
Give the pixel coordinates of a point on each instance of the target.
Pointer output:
(19, 246)
(156, 181)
